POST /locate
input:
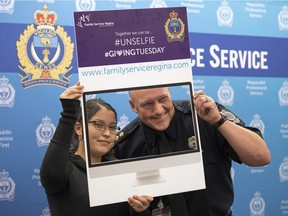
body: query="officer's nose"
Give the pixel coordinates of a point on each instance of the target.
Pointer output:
(158, 108)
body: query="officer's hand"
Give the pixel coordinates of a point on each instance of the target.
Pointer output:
(206, 107)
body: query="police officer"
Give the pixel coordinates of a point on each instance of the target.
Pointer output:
(224, 138)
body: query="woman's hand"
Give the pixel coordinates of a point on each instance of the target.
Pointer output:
(140, 203)
(73, 92)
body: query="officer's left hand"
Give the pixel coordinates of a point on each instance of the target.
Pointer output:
(206, 107)
(140, 203)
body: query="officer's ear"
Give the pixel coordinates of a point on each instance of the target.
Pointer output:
(132, 105)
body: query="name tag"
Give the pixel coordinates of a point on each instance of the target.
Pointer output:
(162, 211)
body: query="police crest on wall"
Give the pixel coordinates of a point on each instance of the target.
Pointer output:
(45, 53)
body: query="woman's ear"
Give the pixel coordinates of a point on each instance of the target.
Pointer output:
(78, 130)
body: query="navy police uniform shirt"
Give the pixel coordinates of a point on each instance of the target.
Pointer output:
(137, 139)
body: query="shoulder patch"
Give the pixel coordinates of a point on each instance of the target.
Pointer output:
(182, 105)
(230, 116)
(129, 128)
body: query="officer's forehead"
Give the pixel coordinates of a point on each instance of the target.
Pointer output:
(150, 92)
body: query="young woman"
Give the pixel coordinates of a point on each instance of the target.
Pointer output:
(63, 170)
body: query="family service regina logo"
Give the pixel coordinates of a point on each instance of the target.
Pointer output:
(45, 54)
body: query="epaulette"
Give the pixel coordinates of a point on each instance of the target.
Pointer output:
(128, 129)
(182, 105)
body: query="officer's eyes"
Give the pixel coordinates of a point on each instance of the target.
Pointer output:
(147, 105)
(163, 99)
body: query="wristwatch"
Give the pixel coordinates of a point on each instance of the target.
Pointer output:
(221, 121)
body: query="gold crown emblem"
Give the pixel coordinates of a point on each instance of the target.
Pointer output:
(173, 15)
(45, 17)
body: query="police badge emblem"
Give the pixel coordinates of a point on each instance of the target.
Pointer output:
(7, 6)
(46, 212)
(7, 93)
(258, 123)
(283, 94)
(124, 120)
(257, 205)
(7, 187)
(192, 143)
(45, 131)
(85, 5)
(174, 28)
(158, 4)
(45, 53)
(283, 170)
(225, 93)
(282, 18)
(225, 14)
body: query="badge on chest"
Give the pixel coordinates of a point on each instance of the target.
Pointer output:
(161, 210)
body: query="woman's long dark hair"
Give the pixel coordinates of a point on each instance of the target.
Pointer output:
(92, 107)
